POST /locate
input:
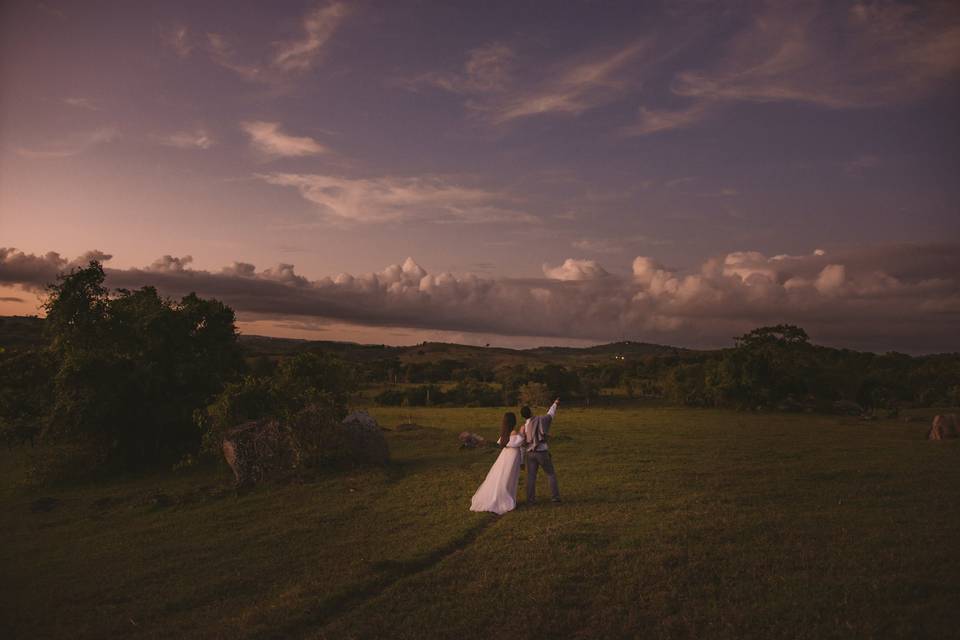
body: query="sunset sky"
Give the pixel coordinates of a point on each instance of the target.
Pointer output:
(515, 173)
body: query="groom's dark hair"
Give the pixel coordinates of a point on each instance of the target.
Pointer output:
(526, 413)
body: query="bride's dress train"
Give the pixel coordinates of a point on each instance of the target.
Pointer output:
(498, 493)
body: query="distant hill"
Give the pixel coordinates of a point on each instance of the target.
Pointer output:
(434, 351)
(27, 331)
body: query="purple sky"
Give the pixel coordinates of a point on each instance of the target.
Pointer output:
(557, 172)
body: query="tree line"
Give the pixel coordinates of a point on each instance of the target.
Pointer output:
(128, 378)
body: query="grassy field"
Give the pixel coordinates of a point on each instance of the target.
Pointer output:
(675, 523)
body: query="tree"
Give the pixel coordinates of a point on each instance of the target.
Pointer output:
(590, 386)
(767, 365)
(534, 394)
(132, 366)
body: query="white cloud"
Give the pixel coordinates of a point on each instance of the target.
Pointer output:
(319, 26)
(372, 200)
(653, 121)
(170, 264)
(292, 56)
(824, 54)
(71, 145)
(179, 41)
(488, 69)
(267, 138)
(575, 270)
(223, 54)
(495, 91)
(904, 297)
(195, 139)
(81, 103)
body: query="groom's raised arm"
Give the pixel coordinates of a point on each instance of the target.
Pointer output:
(552, 411)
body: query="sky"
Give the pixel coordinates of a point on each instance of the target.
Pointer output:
(510, 173)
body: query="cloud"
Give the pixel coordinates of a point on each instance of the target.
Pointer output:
(81, 103)
(267, 139)
(495, 91)
(488, 69)
(575, 270)
(597, 245)
(832, 55)
(616, 245)
(169, 264)
(11, 299)
(195, 139)
(223, 54)
(292, 56)
(386, 199)
(319, 25)
(653, 121)
(71, 145)
(178, 40)
(35, 272)
(572, 89)
(904, 297)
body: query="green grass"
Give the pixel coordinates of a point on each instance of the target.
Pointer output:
(675, 523)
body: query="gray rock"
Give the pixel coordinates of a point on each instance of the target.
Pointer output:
(257, 449)
(470, 440)
(365, 439)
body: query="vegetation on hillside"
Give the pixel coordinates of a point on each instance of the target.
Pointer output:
(128, 379)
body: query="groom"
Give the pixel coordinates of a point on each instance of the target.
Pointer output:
(536, 430)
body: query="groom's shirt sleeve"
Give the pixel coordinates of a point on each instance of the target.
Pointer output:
(552, 411)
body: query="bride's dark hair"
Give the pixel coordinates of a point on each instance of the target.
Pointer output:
(506, 426)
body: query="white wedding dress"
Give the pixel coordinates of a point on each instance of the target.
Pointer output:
(498, 493)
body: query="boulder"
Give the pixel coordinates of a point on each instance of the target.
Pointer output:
(943, 427)
(257, 449)
(365, 439)
(470, 440)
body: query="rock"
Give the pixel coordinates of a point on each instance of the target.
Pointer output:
(326, 440)
(470, 440)
(365, 439)
(43, 505)
(257, 449)
(943, 427)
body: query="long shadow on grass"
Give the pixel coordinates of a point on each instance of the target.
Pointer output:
(389, 573)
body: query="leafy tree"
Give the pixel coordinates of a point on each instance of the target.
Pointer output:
(590, 387)
(534, 394)
(132, 367)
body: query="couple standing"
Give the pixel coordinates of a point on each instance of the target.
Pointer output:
(498, 493)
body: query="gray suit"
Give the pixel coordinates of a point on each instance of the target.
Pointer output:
(538, 455)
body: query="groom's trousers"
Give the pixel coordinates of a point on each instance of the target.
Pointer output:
(535, 460)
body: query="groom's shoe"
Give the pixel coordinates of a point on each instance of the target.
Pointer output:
(555, 499)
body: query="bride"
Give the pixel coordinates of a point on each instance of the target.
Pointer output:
(498, 493)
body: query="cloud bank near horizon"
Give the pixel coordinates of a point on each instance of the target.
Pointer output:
(902, 297)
